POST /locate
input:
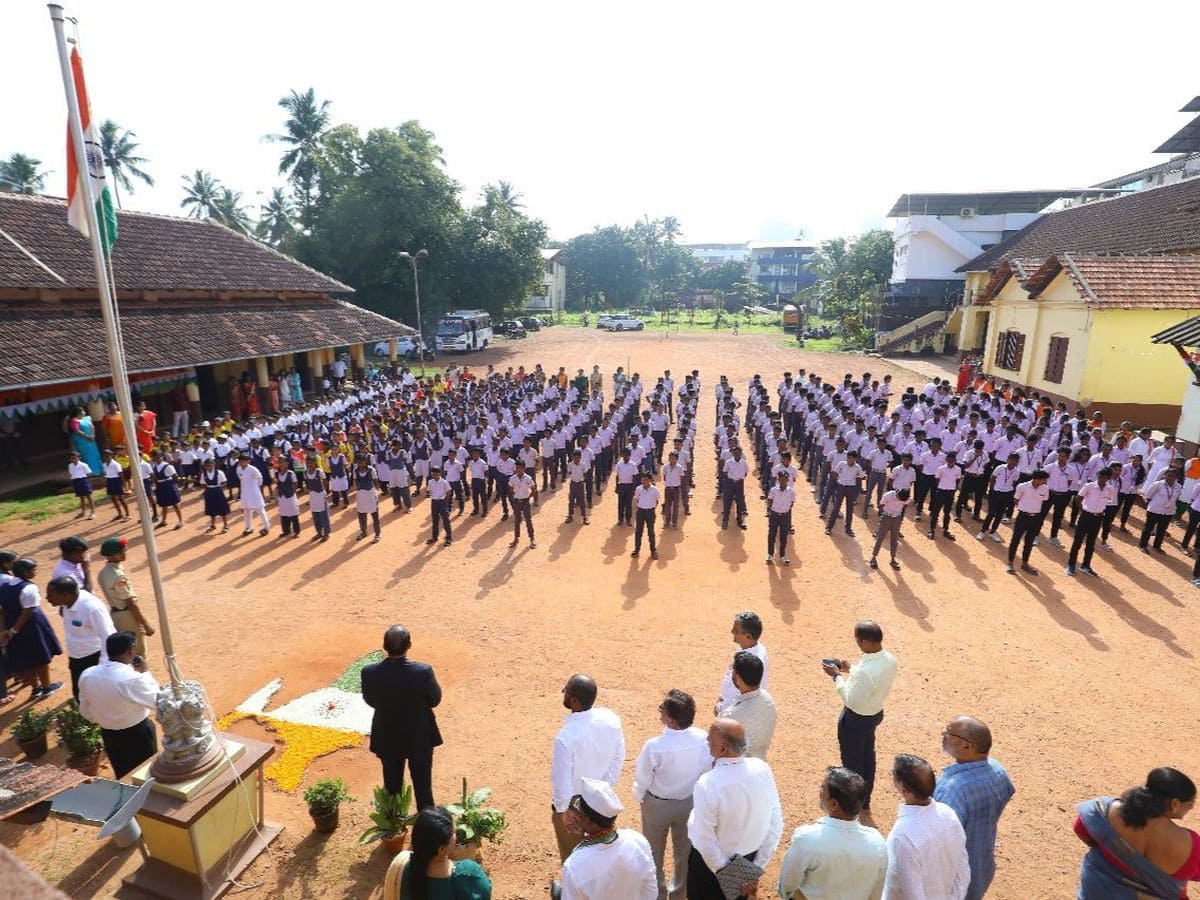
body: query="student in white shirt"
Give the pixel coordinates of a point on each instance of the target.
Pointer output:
(114, 486)
(1093, 501)
(665, 775)
(81, 481)
(927, 847)
(1030, 499)
(522, 487)
(836, 857)
(780, 500)
(845, 482)
(645, 499)
(438, 489)
(891, 517)
(673, 475)
(1161, 497)
(945, 484)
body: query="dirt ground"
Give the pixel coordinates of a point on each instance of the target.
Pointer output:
(1081, 680)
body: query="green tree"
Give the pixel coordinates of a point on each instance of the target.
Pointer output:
(503, 196)
(231, 212)
(201, 195)
(605, 269)
(303, 129)
(22, 174)
(275, 219)
(119, 149)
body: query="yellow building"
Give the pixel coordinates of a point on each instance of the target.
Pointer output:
(1077, 328)
(1066, 306)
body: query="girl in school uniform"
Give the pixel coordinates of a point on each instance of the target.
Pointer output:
(216, 503)
(81, 481)
(318, 499)
(366, 500)
(420, 460)
(383, 467)
(289, 506)
(114, 486)
(166, 493)
(339, 478)
(398, 477)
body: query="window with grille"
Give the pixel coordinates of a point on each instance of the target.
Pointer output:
(1010, 349)
(1056, 359)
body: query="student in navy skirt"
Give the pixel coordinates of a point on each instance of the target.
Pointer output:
(28, 637)
(81, 480)
(166, 494)
(216, 503)
(114, 486)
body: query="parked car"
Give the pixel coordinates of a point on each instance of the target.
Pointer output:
(531, 323)
(602, 320)
(405, 347)
(512, 329)
(624, 323)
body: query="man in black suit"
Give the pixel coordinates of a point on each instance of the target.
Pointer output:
(404, 728)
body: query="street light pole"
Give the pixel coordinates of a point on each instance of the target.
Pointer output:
(412, 260)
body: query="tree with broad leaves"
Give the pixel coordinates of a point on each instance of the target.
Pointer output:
(22, 174)
(119, 149)
(303, 129)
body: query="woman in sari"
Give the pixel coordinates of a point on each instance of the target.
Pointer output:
(83, 440)
(1136, 849)
(429, 871)
(237, 403)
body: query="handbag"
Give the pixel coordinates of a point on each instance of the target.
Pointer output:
(735, 873)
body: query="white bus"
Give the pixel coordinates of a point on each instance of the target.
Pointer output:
(464, 329)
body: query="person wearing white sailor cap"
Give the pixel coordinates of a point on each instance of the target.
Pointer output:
(609, 862)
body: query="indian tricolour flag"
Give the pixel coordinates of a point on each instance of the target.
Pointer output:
(94, 168)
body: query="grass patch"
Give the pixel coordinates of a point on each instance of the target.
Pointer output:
(36, 509)
(702, 323)
(351, 680)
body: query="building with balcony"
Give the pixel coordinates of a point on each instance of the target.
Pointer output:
(553, 295)
(782, 266)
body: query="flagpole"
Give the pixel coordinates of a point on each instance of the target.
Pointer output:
(116, 353)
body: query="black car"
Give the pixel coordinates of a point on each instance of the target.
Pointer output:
(531, 323)
(512, 329)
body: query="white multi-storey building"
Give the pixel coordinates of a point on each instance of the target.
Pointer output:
(553, 295)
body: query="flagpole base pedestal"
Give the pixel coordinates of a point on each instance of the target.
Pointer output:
(194, 848)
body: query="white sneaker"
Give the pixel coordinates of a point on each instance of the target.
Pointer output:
(997, 538)
(1036, 541)
(770, 559)
(1054, 542)
(785, 560)
(1006, 520)
(979, 537)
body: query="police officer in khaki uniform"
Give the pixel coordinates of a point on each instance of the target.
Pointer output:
(122, 598)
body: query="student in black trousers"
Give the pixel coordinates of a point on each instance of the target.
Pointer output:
(1030, 498)
(404, 728)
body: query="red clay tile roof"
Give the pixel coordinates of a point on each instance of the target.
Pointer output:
(1126, 282)
(44, 343)
(153, 253)
(1157, 220)
(1023, 269)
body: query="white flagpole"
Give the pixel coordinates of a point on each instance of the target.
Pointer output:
(116, 353)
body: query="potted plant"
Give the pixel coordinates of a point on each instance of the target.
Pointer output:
(390, 819)
(30, 731)
(80, 737)
(474, 823)
(323, 800)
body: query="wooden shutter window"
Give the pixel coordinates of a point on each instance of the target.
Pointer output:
(1018, 351)
(1056, 359)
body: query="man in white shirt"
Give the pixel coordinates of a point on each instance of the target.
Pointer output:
(664, 776)
(891, 516)
(927, 848)
(1161, 497)
(1094, 498)
(733, 487)
(250, 482)
(522, 487)
(780, 500)
(87, 623)
(119, 695)
(753, 707)
(863, 689)
(608, 862)
(735, 812)
(836, 858)
(590, 744)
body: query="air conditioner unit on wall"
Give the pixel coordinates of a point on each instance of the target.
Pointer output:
(967, 212)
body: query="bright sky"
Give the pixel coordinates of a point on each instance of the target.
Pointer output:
(746, 121)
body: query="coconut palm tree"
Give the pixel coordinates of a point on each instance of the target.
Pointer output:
(230, 211)
(201, 195)
(275, 219)
(119, 148)
(671, 229)
(22, 174)
(307, 121)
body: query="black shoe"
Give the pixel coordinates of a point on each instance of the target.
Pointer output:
(873, 564)
(431, 541)
(948, 536)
